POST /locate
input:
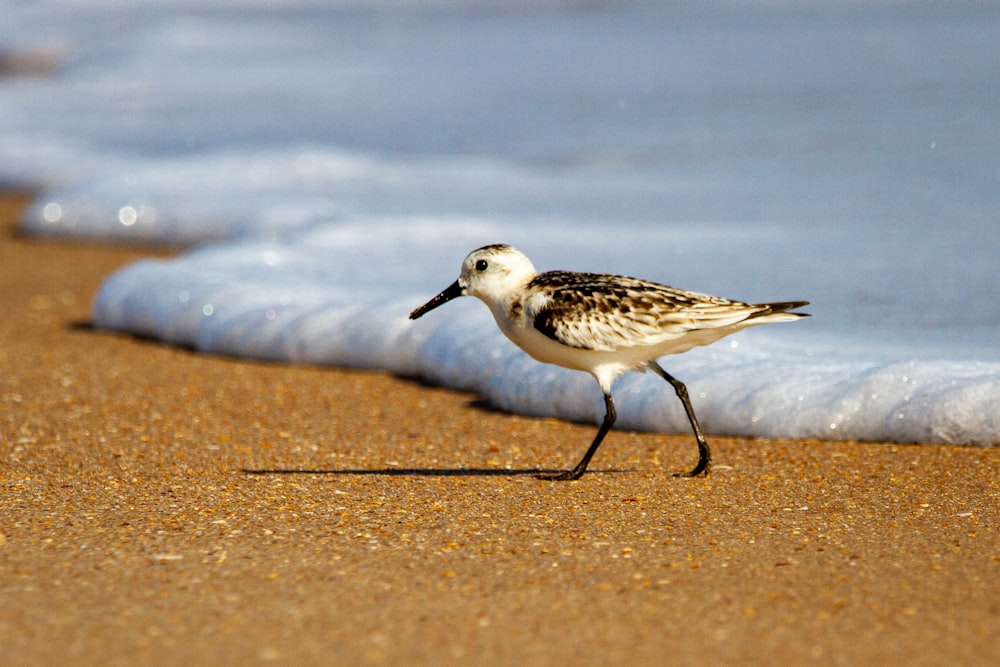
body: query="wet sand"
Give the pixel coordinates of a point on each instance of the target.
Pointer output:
(159, 506)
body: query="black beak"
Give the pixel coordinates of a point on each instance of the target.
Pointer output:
(453, 291)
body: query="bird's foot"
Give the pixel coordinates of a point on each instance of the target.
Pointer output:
(701, 469)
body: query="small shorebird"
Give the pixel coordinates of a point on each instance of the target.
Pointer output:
(602, 324)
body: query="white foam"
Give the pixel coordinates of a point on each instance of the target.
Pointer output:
(300, 302)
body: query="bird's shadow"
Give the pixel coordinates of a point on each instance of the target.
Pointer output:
(415, 472)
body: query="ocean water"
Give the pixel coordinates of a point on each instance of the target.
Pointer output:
(329, 165)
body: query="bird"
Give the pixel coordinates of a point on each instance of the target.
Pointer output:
(602, 324)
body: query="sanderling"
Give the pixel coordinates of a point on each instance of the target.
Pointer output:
(602, 324)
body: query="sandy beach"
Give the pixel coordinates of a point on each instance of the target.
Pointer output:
(161, 506)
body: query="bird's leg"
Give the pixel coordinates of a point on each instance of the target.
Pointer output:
(704, 454)
(577, 472)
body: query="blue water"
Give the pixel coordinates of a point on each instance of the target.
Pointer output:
(330, 166)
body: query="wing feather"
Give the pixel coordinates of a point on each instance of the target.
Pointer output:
(604, 312)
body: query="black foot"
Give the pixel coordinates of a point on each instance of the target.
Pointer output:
(701, 469)
(564, 476)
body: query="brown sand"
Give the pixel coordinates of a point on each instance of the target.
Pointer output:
(384, 521)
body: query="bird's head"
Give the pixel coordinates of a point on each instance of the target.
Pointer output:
(490, 273)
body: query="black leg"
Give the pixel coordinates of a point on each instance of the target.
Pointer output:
(576, 473)
(704, 454)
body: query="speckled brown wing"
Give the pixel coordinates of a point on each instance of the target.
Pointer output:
(607, 313)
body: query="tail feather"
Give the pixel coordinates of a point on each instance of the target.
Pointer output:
(768, 310)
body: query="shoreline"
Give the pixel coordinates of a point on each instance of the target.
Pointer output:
(160, 506)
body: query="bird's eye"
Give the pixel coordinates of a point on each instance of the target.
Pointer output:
(482, 265)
